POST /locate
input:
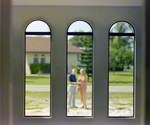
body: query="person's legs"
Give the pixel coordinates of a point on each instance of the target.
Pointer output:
(73, 95)
(84, 98)
(81, 96)
(70, 90)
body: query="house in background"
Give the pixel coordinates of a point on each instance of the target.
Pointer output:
(38, 50)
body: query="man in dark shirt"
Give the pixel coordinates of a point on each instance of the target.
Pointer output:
(72, 88)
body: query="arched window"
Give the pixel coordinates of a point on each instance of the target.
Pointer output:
(42, 59)
(121, 69)
(37, 87)
(35, 60)
(80, 56)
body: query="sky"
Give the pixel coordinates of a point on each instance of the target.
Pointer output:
(37, 26)
(40, 26)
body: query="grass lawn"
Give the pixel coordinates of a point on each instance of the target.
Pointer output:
(122, 78)
(121, 101)
(37, 100)
(120, 95)
(44, 80)
(41, 100)
(38, 80)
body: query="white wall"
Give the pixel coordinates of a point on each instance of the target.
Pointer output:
(30, 57)
(28, 71)
(100, 18)
(72, 59)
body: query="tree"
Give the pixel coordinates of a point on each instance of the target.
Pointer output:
(78, 40)
(86, 57)
(85, 43)
(121, 48)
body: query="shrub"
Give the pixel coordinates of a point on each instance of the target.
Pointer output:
(40, 67)
(74, 66)
(35, 67)
(46, 68)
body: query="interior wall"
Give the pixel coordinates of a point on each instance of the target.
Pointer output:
(5, 62)
(0, 58)
(147, 59)
(59, 18)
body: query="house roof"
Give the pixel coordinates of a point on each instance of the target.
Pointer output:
(42, 44)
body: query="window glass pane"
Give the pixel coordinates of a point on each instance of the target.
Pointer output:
(121, 27)
(121, 73)
(37, 74)
(43, 59)
(35, 59)
(79, 85)
(80, 26)
(37, 26)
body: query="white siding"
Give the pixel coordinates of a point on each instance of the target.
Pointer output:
(30, 57)
(72, 59)
(28, 71)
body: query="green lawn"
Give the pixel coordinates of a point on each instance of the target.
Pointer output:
(41, 100)
(37, 100)
(44, 80)
(120, 95)
(121, 100)
(38, 80)
(122, 78)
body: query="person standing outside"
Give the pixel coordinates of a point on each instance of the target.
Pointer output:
(82, 87)
(72, 88)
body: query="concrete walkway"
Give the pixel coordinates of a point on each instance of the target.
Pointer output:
(89, 88)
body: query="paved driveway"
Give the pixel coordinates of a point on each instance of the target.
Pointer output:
(89, 88)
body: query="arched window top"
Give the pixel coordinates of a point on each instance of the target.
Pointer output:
(35, 56)
(79, 26)
(37, 26)
(121, 27)
(42, 56)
